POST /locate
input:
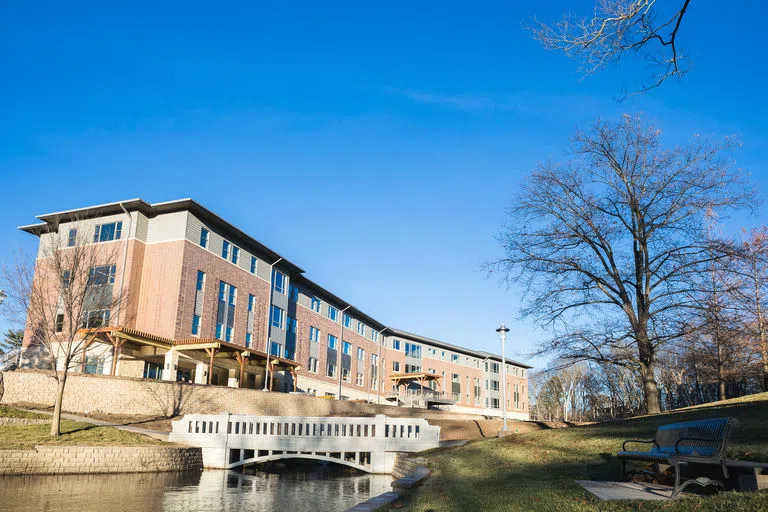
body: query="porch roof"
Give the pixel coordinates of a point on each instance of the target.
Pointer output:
(199, 347)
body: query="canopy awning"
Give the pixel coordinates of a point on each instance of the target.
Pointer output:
(404, 378)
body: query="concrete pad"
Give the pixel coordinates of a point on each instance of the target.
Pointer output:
(608, 491)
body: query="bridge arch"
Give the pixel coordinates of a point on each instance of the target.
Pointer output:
(301, 456)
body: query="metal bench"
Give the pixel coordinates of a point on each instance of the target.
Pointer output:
(700, 441)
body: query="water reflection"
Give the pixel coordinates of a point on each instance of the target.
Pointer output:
(296, 488)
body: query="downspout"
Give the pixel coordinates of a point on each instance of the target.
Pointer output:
(125, 260)
(269, 326)
(339, 350)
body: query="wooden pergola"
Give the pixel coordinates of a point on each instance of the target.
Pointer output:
(206, 350)
(422, 378)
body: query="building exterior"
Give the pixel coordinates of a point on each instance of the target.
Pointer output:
(194, 282)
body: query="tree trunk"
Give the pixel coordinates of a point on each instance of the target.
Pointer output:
(650, 388)
(56, 420)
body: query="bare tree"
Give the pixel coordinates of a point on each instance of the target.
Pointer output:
(753, 270)
(606, 243)
(62, 295)
(620, 27)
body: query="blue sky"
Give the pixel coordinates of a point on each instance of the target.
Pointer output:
(374, 144)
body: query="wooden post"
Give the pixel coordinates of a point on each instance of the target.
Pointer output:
(240, 359)
(295, 379)
(116, 344)
(86, 343)
(211, 353)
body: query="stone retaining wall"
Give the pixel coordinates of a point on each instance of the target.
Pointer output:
(405, 465)
(63, 460)
(142, 397)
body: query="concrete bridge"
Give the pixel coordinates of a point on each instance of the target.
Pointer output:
(368, 444)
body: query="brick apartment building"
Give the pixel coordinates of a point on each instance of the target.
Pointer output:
(207, 303)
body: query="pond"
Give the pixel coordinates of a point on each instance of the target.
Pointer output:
(294, 487)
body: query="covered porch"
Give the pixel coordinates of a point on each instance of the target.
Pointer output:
(207, 361)
(420, 389)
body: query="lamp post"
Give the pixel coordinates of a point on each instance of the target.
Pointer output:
(2, 296)
(503, 330)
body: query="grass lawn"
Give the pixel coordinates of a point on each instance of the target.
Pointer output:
(73, 433)
(12, 412)
(536, 470)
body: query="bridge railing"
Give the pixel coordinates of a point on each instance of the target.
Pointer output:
(300, 433)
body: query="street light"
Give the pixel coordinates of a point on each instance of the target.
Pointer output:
(2, 296)
(503, 330)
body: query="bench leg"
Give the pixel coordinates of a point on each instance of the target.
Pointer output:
(677, 480)
(725, 468)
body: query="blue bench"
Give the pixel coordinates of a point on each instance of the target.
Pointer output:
(700, 441)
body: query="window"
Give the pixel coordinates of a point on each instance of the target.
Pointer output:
(494, 385)
(395, 366)
(332, 341)
(293, 293)
(346, 347)
(333, 313)
(359, 379)
(291, 325)
(250, 320)
(198, 307)
(100, 276)
(278, 317)
(316, 304)
(72, 238)
(107, 232)
(360, 354)
(396, 344)
(59, 325)
(374, 360)
(454, 358)
(66, 279)
(413, 350)
(375, 335)
(360, 328)
(235, 254)
(275, 349)
(347, 321)
(278, 281)
(494, 403)
(345, 374)
(254, 262)
(331, 371)
(225, 314)
(494, 367)
(412, 368)
(314, 334)
(96, 318)
(204, 238)
(225, 249)
(312, 365)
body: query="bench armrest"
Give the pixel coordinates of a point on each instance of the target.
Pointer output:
(713, 441)
(644, 441)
